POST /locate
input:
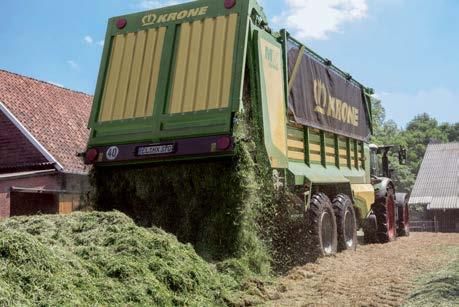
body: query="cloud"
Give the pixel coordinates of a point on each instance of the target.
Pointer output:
(88, 39)
(440, 103)
(101, 43)
(154, 4)
(74, 65)
(312, 19)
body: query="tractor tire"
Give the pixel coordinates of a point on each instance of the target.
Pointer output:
(370, 230)
(345, 222)
(403, 229)
(322, 226)
(384, 210)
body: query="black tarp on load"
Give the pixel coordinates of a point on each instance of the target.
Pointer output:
(323, 99)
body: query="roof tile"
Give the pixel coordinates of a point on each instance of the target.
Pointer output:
(57, 117)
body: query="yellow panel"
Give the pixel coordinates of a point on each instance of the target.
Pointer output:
(295, 144)
(364, 192)
(217, 63)
(155, 71)
(343, 162)
(314, 147)
(206, 62)
(136, 70)
(113, 74)
(147, 69)
(228, 61)
(275, 104)
(330, 159)
(343, 152)
(296, 155)
(132, 76)
(330, 150)
(180, 72)
(193, 66)
(121, 91)
(204, 65)
(315, 157)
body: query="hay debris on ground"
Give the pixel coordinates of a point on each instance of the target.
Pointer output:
(102, 259)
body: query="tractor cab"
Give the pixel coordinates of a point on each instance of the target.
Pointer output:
(379, 160)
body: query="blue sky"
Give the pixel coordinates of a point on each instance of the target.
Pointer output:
(407, 50)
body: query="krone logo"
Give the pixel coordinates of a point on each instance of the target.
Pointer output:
(152, 18)
(330, 106)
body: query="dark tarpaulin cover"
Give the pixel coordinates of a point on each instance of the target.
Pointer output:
(320, 98)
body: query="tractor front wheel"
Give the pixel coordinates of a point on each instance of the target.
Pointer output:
(322, 226)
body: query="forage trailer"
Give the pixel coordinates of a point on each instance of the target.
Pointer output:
(187, 86)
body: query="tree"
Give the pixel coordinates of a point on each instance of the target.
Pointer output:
(419, 132)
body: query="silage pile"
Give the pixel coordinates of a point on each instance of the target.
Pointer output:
(101, 259)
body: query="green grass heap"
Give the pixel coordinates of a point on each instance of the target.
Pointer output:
(102, 259)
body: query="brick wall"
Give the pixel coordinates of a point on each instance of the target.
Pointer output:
(15, 149)
(50, 182)
(77, 185)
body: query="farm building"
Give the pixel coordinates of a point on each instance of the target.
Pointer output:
(42, 127)
(435, 197)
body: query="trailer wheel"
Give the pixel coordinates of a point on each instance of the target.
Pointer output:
(345, 222)
(384, 210)
(322, 226)
(370, 229)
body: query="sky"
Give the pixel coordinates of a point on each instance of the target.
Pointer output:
(407, 50)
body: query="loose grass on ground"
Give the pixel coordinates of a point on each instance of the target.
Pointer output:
(440, 288)
(102, 259)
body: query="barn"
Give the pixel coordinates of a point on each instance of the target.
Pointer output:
(434, 201)
(42, 128)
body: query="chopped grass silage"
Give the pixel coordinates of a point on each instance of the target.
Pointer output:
(440, 288)
(102, 259)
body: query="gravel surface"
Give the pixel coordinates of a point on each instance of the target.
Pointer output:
(374, 275)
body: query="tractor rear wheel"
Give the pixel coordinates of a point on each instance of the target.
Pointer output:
(345, 222)
(384, 210)
(322, 226)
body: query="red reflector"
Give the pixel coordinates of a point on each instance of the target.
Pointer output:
(121, 23)
(91, 155)
(223, 143)
(229, 4)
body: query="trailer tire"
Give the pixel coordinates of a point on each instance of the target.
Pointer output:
(322, 226)
(345, 222)
(384, 210)
(370, 229)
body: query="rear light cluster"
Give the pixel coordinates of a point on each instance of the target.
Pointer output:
(91, 155)
(229, 4)
(224, 143)
(121, 23)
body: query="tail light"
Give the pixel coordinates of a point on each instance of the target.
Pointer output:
(91, 155)
(229, 4)
(121, 23)
(224, 143)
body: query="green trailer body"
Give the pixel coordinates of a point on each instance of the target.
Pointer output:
(171, 84)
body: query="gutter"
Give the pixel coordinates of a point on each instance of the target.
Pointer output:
(31, 138)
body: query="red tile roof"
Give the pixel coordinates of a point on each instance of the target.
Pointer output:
(55, 116)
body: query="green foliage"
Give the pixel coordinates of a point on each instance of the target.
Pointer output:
(440, 288)
(102, 259)
(419, 132)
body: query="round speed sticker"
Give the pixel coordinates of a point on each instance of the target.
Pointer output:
(112, 153)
